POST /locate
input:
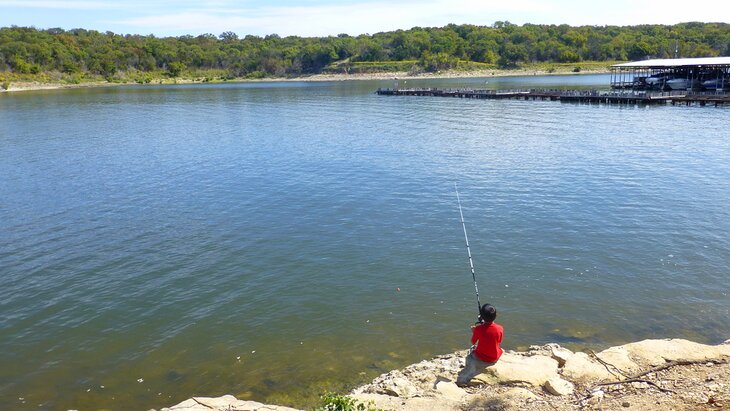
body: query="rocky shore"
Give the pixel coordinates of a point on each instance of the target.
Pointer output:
(19, 86)
(670, 374)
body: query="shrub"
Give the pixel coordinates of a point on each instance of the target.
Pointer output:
(175, 68)
(253, 75)
(436, 62)
(337, 402)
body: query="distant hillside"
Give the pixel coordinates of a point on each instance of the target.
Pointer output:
(80, 52)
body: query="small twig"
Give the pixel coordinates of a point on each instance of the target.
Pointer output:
(636, 377)
(607, 364)
(676, 363)
(204, 405)
(633, 380)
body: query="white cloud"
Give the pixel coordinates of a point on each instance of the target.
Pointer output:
(356, 18)
(61, 4)
(315, 18)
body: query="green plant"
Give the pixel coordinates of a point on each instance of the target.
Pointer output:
(253, 75)
(5, 84)
(337, 402)
(175, 68)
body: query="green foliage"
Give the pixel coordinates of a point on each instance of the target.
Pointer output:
(337, 402)
(5, 84)
(175, 68)
(434, 62)
(75, 79)
(30, 51)
(512, 54)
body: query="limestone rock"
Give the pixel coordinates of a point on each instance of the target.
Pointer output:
(558, 386)
(387, 402)
(224, 403)
(555, 351)
(517, 369)
(560, 354)
(449, 390)
(655, 352)
(401, 387)
(620, 358)
(520, 394)
(580, 367)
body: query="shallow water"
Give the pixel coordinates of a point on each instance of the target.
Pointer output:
(163, 242)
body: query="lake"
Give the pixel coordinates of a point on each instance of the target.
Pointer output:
(278, 240)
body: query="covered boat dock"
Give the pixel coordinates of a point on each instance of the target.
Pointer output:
(577, 96)
(704, 81)
(708, 74)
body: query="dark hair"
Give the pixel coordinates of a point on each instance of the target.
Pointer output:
(488, 313)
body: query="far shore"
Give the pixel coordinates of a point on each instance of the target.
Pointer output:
(18, 86)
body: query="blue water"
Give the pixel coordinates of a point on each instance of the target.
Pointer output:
(169, 241)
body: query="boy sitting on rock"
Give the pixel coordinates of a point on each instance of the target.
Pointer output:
(485, 352)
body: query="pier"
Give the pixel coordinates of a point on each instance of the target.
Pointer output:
(703, 81)
(713, 98)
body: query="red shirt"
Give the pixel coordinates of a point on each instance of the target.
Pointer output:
(489, 337)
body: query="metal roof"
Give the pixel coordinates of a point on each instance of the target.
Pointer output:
(667, 63)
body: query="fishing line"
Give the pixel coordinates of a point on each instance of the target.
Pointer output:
(468, 250)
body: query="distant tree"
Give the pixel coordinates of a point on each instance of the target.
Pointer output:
(512, 54)
(228, 36)
(437, 61)
(175, 68)
(27, 50)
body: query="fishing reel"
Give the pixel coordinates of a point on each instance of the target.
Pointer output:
(479, 321)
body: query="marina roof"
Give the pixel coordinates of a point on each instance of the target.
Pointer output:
(667, 63)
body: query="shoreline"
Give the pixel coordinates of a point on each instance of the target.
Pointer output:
(672, 374)
(21, 86)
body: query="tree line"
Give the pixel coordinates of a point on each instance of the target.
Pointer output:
(29, 50)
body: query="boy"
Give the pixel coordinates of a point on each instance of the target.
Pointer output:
(487, 336)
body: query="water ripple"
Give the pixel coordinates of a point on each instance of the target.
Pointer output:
(163, 232)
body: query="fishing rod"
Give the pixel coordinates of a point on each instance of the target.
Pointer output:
(468, 251)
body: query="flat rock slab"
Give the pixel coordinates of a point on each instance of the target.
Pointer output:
(450, 391)
(657, 352)
(387, 402)
(224, 403)
(620, 358)
(580, 367)
(517, 369)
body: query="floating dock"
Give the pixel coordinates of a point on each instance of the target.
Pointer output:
(578, 96)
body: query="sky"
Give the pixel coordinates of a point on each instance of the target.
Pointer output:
(330, 17)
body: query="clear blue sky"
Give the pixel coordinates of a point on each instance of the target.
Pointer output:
(329, 17)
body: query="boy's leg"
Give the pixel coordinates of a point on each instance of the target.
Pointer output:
(469, 370)
(472, 368)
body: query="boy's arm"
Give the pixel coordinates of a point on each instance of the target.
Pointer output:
(474, 337)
